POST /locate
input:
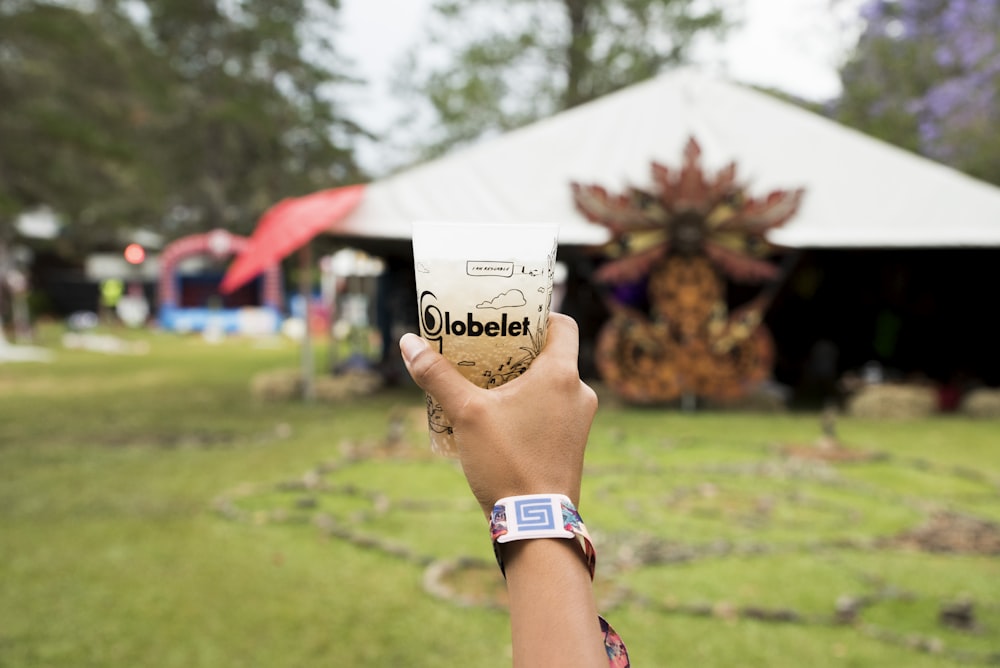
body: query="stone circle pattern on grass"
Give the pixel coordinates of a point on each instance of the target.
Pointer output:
(904, 551)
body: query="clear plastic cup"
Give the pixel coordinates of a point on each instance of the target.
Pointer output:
(483, 292)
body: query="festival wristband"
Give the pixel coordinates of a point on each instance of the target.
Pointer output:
(538, 516)
(551, 516)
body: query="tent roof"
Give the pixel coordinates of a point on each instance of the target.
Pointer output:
(860, 192)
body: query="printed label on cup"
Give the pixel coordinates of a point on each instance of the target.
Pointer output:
(476, 268)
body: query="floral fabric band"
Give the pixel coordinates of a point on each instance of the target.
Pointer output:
(573, 527)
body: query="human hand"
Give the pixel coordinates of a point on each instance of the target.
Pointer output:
(527, 436)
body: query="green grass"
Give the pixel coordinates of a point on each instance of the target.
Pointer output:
(115, 550)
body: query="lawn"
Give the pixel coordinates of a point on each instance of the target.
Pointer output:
(152, 513)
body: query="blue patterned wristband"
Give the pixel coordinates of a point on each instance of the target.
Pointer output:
(538, 516)
(551, 516)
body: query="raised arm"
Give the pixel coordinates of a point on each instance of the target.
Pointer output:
(528, 437)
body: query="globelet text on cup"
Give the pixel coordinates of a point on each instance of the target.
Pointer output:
(434, 321)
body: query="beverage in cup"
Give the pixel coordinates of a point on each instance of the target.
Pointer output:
(483, 295)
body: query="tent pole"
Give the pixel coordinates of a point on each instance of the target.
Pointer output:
(308, 388)
(3, 279)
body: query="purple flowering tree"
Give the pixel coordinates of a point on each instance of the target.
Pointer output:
(925, 75)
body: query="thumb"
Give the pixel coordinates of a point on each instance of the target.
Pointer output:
(433, 372)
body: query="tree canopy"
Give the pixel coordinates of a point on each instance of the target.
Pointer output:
(508, 65)
(925, 75)
(168, 115)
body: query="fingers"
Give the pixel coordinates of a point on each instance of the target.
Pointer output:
(438, 377)
(432, 372)
(562, 340)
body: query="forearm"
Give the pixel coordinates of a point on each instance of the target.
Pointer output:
(522, 446)
(554, 618)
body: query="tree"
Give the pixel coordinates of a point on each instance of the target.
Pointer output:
(170, 115)
(70, 118)
(925, 75)
(252, 120)
(505, 67)
(67, 127)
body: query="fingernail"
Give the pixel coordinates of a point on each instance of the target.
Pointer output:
(411, 345)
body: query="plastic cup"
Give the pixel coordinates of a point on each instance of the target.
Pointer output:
(483, 294)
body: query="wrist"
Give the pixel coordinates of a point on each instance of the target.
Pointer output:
(557, 555)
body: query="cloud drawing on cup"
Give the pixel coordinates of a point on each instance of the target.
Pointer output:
(422, 268)
(509, 299)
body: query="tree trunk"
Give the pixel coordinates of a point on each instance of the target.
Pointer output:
(577, 52)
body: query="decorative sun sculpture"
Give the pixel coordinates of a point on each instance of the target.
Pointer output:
(670, 333)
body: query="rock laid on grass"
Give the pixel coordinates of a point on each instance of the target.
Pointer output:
(954, 533)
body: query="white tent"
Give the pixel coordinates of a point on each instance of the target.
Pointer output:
(860, 192)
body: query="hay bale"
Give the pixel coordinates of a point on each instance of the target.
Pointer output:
(893, 402)
(276, 385)
(983, 402)
(286, 384)
(348, 384)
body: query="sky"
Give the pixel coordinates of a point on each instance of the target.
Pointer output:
(793, 45)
